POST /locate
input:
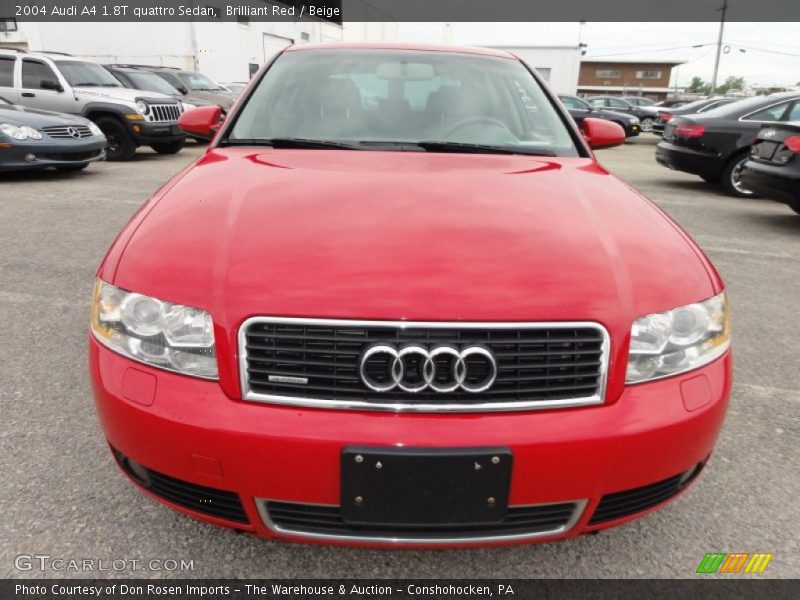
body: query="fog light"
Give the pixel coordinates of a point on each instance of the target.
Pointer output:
(30, 157)
(138, 472)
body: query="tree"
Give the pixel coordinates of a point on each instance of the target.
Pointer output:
(698, 85)
(731, 83)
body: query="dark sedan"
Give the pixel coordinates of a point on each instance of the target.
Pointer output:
(37, 139)
(646, 114)
(580, 109)
(773, 170)
(715, 145)
(692, 108)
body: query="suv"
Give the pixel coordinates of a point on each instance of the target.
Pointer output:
(646, 114)
(141, 78)
(196, 85)
(63, 83)
(430, 318)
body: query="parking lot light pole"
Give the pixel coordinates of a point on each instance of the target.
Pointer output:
(719, 49)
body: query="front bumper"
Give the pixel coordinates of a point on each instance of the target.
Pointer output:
(21, 156)
(146, 133)
(680, 158)
(188, 431)
(776, 182)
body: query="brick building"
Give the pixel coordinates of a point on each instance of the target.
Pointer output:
(648, 78)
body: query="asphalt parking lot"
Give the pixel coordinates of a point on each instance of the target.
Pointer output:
(62, 496)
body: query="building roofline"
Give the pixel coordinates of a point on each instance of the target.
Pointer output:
(647, 61)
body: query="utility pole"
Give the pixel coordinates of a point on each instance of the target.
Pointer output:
(719, 48)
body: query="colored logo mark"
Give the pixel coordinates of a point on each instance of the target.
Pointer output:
(734, 562)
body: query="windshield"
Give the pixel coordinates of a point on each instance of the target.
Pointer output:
(79, 73)
(198, 82)
(373, 98)
(151, 83)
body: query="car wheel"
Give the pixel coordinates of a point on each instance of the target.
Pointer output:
(732, 175)
(646, 124)
(120, 145)
(71, 168)
(168, 147)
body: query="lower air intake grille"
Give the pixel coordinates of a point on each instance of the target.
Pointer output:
(318, 362)
(623, 504)
(202, 499)
(315, 520)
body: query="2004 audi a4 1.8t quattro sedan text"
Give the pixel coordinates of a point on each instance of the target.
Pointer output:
(398, 301)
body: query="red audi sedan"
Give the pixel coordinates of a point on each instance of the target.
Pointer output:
(398, 302)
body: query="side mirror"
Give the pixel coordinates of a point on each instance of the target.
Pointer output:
(183, 90)
(50, 84)
(202, 122)
(600, 133)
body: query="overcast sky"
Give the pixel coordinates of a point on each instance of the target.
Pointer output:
(772, 50)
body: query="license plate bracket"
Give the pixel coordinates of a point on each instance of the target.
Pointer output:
(410, 487)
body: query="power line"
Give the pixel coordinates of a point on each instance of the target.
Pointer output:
(654, 50)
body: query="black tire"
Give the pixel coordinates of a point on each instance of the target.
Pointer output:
(709, 178)
(646, 124)
(731, 174)
(172, 147)
(72, 168)
(120, 143)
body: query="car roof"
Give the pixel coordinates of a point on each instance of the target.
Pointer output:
(400, 46)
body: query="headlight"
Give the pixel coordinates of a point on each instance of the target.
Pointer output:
(633, 120)
(143, 107)
(20, 133)
(165, 335)
(95, 129)
(678, 340)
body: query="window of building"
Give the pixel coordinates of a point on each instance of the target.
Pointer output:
(304, 36)
(8, 24)
(648, 74)
(6, 72)
(608, 74)
(544, 72)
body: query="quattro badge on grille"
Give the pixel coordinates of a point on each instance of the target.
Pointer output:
(415, 368)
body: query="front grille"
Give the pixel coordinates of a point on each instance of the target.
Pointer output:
(66, 131)
(164, 112)
(629, 502)
(320, 520)
(199, 498)
(538, 365)
(69, 156)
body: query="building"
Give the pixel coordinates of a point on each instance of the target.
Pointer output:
(635, 77)
(558, 65)
(222, 50)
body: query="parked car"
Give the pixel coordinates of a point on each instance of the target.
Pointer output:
(141, 79)
(484, 309)
(646, 114)
(195, 85)
(38, 139)
(638, 100)
(671, 103)
(692, 108)
(716, 144)
(773, 169)
(234, 87)
(580, 109)
(62, 83)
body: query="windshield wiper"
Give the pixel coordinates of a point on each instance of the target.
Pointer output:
(433, 146)
(291, 143)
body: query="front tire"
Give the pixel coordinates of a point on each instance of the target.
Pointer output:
(731, 177)
(120, 144)
(169, 147)
(646, 124)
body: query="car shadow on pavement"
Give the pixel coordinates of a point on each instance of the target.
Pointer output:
(788, 222)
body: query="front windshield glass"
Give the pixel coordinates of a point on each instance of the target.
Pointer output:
(152, 83)
(79, 73)
(198, 82)
(365, 97)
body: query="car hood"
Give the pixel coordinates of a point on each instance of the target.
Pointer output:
(418, 236)
(222, 99)
(120, 93)
(15, 114)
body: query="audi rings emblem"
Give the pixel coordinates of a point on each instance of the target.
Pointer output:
(414, 368)
(72, 132)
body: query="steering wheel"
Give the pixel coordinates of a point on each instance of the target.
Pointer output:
(475, 121)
